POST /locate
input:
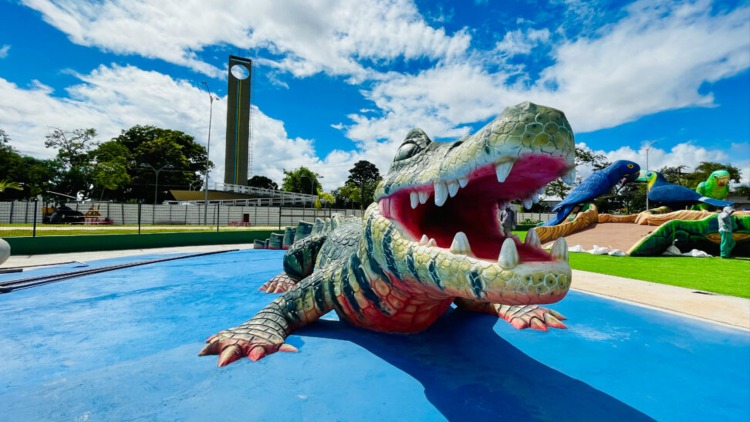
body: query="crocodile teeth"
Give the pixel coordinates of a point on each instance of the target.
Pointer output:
(570, 177)
(414, 198)
(423, 241)
(528, 203)
(560, 249)
(460, 244)
(432, 242)
(463, 181)
(508, 255)
(532, 239)
(453, 188)
(502, 170)
(423, 196)
(535, 197)
(441, 193)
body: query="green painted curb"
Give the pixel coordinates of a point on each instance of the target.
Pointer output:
(108, 242)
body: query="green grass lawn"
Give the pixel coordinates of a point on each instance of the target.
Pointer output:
(724, 276)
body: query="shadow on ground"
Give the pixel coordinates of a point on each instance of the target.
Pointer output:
(470, 373)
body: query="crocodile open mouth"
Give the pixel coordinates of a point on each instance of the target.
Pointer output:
(436, 212)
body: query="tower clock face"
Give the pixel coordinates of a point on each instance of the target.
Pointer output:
(240, 72)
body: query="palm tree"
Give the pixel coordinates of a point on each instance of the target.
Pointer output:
(6, 184)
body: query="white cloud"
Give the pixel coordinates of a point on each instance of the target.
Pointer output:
(4, 51)
(310, 36)
(109, 99)
(522, 42)
(439, 100)
(653, 60)
(599, 81)
(115, 98)
(686, 153)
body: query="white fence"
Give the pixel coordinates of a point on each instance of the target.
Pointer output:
(222, 213)
(217, 214)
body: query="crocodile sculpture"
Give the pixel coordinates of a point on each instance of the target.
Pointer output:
(432, 238)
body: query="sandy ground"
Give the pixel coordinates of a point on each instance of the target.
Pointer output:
(613, 235)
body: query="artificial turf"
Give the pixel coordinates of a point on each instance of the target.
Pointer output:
(724, 276)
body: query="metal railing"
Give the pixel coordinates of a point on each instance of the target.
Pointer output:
(33, 218)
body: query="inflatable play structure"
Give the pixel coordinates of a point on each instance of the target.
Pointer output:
(597, 184)
(431, 239)
(716, 187)
(678, 197)
(655, 231)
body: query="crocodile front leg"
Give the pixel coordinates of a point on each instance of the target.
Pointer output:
(265, 333)
(521, 316)
(299, 262)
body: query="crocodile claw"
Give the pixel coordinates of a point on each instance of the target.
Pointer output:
(211, 348)
(230, 347)
(552, 321)
(279, 284)
(531, 316)
(230, 354)
(537, 324)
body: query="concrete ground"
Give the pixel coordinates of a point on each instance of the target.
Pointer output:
(726, 310)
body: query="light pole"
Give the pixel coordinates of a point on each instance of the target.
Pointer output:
(156, 176)
(211, 98)
(648, 147)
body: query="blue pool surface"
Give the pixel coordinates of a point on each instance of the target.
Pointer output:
(123, 346)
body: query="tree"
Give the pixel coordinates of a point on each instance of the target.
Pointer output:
(584, 157)
(262, 182)
(73, 148)
(365, 176)
(7, 184)
(159, 148)
(346, 196)
(10, 159)
(742, 191)
(302, 180)
(704, 170)
(4, 141)
(35, 176)
(675, 175)
(324, 199)
(110, 171)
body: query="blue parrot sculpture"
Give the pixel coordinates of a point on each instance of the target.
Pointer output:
(596, 185)
(676, 196)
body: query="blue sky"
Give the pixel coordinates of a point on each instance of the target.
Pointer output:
(338, 81)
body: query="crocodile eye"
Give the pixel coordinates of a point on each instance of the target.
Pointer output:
(406, 150)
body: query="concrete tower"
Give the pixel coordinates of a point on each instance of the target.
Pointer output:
(238, 120)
